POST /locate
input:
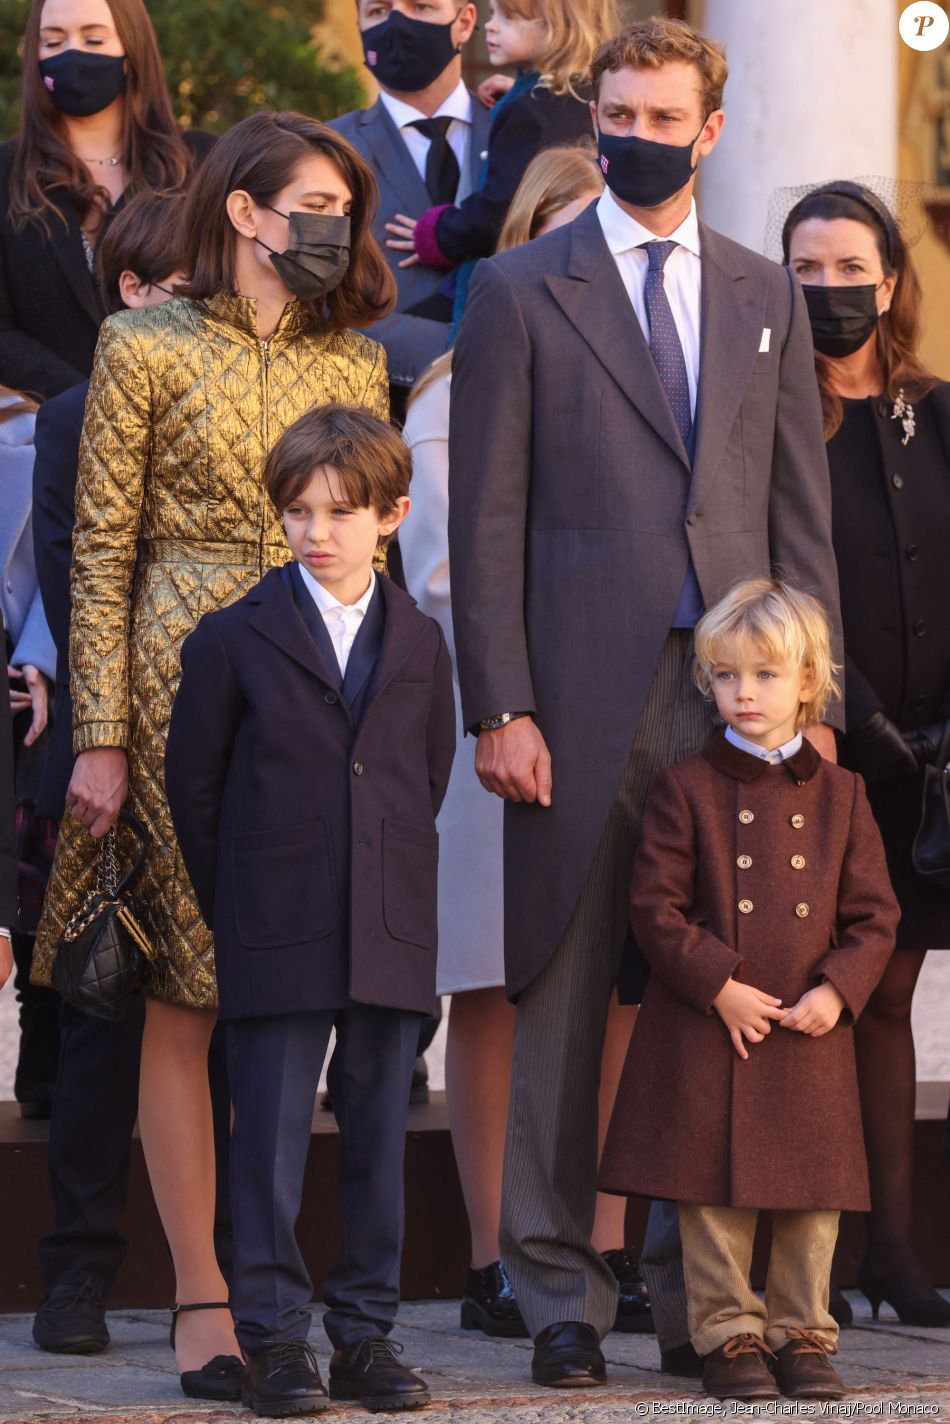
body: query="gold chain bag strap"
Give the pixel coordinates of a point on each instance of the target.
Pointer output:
(99, 964)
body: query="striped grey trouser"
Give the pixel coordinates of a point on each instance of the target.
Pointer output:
(549, 1189)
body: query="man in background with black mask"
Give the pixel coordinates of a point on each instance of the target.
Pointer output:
(424, 139)
(635, 427)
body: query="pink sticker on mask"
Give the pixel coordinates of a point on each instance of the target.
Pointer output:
(371, 58)
(50, 83)
(604, 163)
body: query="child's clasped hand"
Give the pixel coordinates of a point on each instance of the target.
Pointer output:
(747, 1013)
(816, 1012)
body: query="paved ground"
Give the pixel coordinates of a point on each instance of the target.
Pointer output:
(931, 1032)
(892, 1372)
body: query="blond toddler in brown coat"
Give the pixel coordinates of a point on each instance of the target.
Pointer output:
(761, 900)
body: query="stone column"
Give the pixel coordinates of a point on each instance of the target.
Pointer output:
(811, 95)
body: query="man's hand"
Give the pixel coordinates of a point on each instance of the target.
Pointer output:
(515, 763)
(746, 1012)
(98, 788)
(35, 697)
(822, 739)
(404, 238)
(816, 1012)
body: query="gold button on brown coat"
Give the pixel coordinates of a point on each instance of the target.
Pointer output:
(172, 521)
(694, 1122)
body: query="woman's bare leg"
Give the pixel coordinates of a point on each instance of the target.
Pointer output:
(178, 1141)
(611, 1211)
(477, 1082)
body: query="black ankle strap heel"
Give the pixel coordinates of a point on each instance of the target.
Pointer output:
(221, 1377)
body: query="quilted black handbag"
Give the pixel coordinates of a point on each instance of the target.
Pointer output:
(931, 852)
(101, 954)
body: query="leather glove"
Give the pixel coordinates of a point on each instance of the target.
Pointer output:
(880, 752)
(924, 743)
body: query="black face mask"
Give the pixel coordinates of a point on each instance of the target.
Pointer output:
(842, 318)
(80, 83)
(642, 172)
(408, 55)
(317, 254)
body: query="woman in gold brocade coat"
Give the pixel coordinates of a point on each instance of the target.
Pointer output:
(172, 521)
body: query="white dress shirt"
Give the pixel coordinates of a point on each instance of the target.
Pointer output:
(682, 275)
(774, 757)
(458, 107)
(342, 620)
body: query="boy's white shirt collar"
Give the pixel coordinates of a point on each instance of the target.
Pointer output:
(774, 757)
(325, 600)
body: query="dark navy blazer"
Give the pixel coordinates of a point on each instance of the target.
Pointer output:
(305, 806)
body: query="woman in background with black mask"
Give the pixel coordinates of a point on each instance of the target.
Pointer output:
(887, 426)
(96, 126)
(172, 519)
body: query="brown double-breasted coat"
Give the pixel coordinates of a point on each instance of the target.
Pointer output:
(776, 876)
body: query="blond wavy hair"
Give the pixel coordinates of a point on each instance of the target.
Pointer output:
(554, 178)
(574, 29)
(789, 624)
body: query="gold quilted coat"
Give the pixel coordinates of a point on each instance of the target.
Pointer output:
(184, 403)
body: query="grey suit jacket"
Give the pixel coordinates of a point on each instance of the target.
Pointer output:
(573, 512)
(411, 342)
(20, 597)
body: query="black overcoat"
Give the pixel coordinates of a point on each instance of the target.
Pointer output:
(50, 307)
(891, 530)
(311, 841)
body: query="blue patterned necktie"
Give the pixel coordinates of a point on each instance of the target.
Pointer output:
(665, 347)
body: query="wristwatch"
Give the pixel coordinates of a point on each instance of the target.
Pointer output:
(494, 724)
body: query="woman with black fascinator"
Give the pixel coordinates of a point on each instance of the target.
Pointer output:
(887, 427)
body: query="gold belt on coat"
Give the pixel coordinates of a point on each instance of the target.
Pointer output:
(208, 551)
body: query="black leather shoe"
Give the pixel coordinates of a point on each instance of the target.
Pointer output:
(490, 1304)
(568, 1356)
(370, 1373)
(682, 1361)
(219, 1378)
(283, 1379)
(634, 1315)
(71, 1320)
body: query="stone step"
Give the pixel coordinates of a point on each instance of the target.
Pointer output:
(436, 1250)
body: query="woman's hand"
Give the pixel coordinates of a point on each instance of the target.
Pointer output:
(492, 89)
(34, 696)
(816, 1012)
(746, 1012)
(98, 788)
(6, 957)
(404, 238)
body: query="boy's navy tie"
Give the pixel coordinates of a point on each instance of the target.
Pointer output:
(442, 166)
(665, 345)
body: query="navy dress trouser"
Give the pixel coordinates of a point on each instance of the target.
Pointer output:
(274, 1065)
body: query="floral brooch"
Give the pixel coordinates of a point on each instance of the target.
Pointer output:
(904, 412)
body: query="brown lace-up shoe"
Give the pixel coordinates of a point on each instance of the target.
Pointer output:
(739, 1370)
(803, 1370)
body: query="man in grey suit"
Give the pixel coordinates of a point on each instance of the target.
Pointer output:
(635, 426)
(425, 139)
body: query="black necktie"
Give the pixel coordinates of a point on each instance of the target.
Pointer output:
(442, 166)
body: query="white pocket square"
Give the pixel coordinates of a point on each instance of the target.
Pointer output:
(766, 338)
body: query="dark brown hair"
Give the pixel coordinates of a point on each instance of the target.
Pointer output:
(649, 44)
(153, 151)
(144, 238)
(370, 457)
(898, 329)
(260, 155)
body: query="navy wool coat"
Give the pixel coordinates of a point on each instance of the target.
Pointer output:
(775, 876)
(309, 836)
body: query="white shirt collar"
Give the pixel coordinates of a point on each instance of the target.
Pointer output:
(325, 600)
(774, 757)
(457, 106)
(622, 232)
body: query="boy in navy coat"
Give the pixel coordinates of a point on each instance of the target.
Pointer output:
(309, 752)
